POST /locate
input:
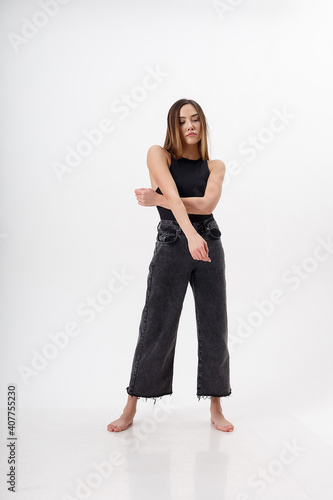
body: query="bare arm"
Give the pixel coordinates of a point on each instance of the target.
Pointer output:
(159, 169)
(193, 205)
(207, 203)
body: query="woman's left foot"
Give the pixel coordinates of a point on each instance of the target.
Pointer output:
(221, 424)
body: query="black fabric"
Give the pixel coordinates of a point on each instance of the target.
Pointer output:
(171, 269)
(191, 178)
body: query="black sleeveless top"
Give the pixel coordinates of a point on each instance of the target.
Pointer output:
(191, 178)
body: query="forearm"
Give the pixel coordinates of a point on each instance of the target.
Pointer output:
(179, 211)
(193, 204)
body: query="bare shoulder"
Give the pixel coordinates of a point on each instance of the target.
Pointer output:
(155, 149)
(216, 165)
(156, 152)
(155, 155)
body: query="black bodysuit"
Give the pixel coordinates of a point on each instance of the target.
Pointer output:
(191, 178)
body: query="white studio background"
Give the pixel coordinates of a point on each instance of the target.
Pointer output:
(262, 72)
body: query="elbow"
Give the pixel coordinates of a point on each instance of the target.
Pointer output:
(208, 207)
(211, 205)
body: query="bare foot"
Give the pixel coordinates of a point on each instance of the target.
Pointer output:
(126, 419)
(217, 417)
(221, 423)
(121, 423)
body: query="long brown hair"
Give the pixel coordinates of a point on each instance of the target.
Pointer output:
(172, 142)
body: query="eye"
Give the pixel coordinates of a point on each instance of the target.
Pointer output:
(197, 120)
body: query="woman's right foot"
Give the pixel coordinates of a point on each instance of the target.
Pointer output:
(121, 423)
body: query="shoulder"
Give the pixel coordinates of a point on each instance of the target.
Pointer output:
(156, 152)
(156, 148)
(216, 165)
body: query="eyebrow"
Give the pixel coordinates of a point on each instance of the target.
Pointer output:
(196, 114)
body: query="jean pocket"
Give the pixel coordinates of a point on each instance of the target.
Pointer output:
(214, 230)
(167, 235)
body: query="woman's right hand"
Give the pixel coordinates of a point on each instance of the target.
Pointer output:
(198, 247)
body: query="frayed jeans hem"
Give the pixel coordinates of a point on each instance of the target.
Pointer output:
(150, 397)
(200, 396)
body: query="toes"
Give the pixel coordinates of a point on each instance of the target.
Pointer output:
(225, 428)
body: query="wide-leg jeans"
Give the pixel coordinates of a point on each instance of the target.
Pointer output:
(171, 269)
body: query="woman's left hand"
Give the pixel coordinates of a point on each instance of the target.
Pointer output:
(147, 197)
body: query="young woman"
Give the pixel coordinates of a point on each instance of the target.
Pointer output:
(186, 187)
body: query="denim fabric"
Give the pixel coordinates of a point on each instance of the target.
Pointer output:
(171, 269)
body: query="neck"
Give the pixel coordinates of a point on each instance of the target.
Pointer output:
(191, 153)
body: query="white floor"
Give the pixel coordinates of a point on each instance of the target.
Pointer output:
(171, 452)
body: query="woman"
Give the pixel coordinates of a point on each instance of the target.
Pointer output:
(186, 188)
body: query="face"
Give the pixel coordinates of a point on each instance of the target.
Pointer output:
(189, 123)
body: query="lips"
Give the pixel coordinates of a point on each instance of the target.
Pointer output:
(192, 133)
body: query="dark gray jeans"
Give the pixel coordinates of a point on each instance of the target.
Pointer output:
(171, 269)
